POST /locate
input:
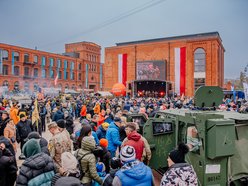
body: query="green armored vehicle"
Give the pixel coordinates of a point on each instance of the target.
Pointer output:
(218, 141)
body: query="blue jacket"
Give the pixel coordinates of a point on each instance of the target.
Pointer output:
(101, 132)
(95, 137)
(58, 115)
(137, 174)
(113, 137)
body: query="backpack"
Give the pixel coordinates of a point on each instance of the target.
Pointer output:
(70, 164)
(82, 173)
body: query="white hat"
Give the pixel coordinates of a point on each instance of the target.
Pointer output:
(127, 153)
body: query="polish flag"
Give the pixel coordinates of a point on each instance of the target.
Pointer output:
(180, 70)
(122, 68)
(56, 80)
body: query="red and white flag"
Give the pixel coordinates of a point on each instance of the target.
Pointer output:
(180, 70)
(122, 68)
(56, 80)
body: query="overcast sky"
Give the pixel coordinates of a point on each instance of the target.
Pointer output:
(49, 24)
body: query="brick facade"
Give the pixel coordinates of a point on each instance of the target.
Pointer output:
(163, 49)
(31, 64)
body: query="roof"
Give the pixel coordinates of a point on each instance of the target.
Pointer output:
(191, 36)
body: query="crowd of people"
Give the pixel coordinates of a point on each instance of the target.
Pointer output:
(92, 143)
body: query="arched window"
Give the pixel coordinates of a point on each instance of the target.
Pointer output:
(26, 58)
(6, 83)
(16, 56)
(199, 67)
(5, 55)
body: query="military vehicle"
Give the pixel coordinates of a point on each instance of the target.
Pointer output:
(218, 140)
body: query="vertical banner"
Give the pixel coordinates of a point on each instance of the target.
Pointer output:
(180, 70)
(122, 68)
(100, 76)
(1, 61)
(13, 62)
(86, 75)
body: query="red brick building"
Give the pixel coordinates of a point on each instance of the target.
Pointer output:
(187, 62)
(27, 69)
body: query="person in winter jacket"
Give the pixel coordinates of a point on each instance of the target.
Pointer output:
(97, 108)
(88, 160)
(133, 172)
(179, 172)
(68, 122)
(113, 136)
(14, 113)
(23, 128)
(109, 118)
(134, 139)
(115, 165)
(101, 117)
(38, 167)
(83, 111)
(102, 130)
(5, 118)
(105, 156)
(8, 167)
(10, 133)
(58, 114)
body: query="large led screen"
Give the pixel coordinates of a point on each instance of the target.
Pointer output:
(150, 70)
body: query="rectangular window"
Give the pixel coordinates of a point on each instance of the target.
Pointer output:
(51, 62)
(26, 71)
(59, 63)
(79, 76)
(66, 75)
(16, 71)
(65, 64)
(72, 65)
(43, 63)
(26, 58)
(43, 73)
(79, 66)
(36, 59)
(51, 74)
(5, 55)
(60, 75)
(5, 70)
(73, 76)
(36, 72)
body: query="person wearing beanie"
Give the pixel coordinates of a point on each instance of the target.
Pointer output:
(23, 128)
(133, 172)
(88, 160)
(105, 156)
(179, 172)
(115, 165)
(102, 130)
(38, 167)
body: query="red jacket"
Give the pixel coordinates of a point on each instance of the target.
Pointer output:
(83, 111)
(134, 140)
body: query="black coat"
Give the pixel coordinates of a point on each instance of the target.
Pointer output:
(69, 124)
(8, 168)
(3, 125)
(35, 166)
(105, 158)
(23, 129)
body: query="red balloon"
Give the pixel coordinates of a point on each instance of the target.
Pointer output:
(119, 89)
